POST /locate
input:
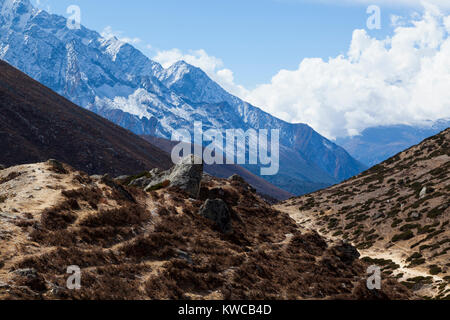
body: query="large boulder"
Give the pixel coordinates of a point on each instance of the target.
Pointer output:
(236, 178)
(144, 180)
(346, 252)
(56, 166)
(217, 211)
(187, 175)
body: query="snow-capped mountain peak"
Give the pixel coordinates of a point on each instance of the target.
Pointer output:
(15, 12)
(176, 72)
(15, 6)
(112, 46)
(193, 84)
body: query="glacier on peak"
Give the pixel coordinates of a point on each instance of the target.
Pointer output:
(15, 6)
(15, 13)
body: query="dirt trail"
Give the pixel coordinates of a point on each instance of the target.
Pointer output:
(31, 191)
(397, 256)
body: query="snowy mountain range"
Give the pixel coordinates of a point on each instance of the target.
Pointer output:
(376, 144)
(118, 82)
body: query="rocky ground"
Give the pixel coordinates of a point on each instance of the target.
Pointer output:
(187, 236)
(397, 214)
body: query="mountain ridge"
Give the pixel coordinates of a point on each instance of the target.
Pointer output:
(163, 244)
(36, 124)
(118, 82)
(376, 144)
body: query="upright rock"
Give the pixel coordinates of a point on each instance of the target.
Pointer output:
(217, 210)
(423, 192)
(187, 175)
(57, 166)
(237, 178)
(346, 252)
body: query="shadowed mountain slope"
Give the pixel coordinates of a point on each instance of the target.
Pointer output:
(37, 124)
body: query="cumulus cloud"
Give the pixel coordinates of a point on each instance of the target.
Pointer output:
(402, 79)
(42, 4)
(443, 4)
(213, 66)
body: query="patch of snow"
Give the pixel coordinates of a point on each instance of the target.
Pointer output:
(327, 145)
(3, 50)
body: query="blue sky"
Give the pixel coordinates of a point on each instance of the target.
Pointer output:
(254, 38)
(308, 61)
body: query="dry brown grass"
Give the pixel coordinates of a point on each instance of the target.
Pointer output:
(135, 245)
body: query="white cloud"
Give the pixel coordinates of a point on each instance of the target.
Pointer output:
(397, 21)
(403, 79)
(109, 33)
(42, 4)
(443, 4)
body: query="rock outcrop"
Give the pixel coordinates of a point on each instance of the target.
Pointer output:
(155, 246)
(56, 166)
(217, 211)
(187, 175)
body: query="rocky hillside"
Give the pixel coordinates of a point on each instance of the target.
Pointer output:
(177, 234)
(397, 214)
(37, 124)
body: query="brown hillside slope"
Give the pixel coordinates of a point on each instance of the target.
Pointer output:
(37, 124)
(135, 245)
(397, 212)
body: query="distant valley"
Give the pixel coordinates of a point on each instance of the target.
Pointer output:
(376, 144)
